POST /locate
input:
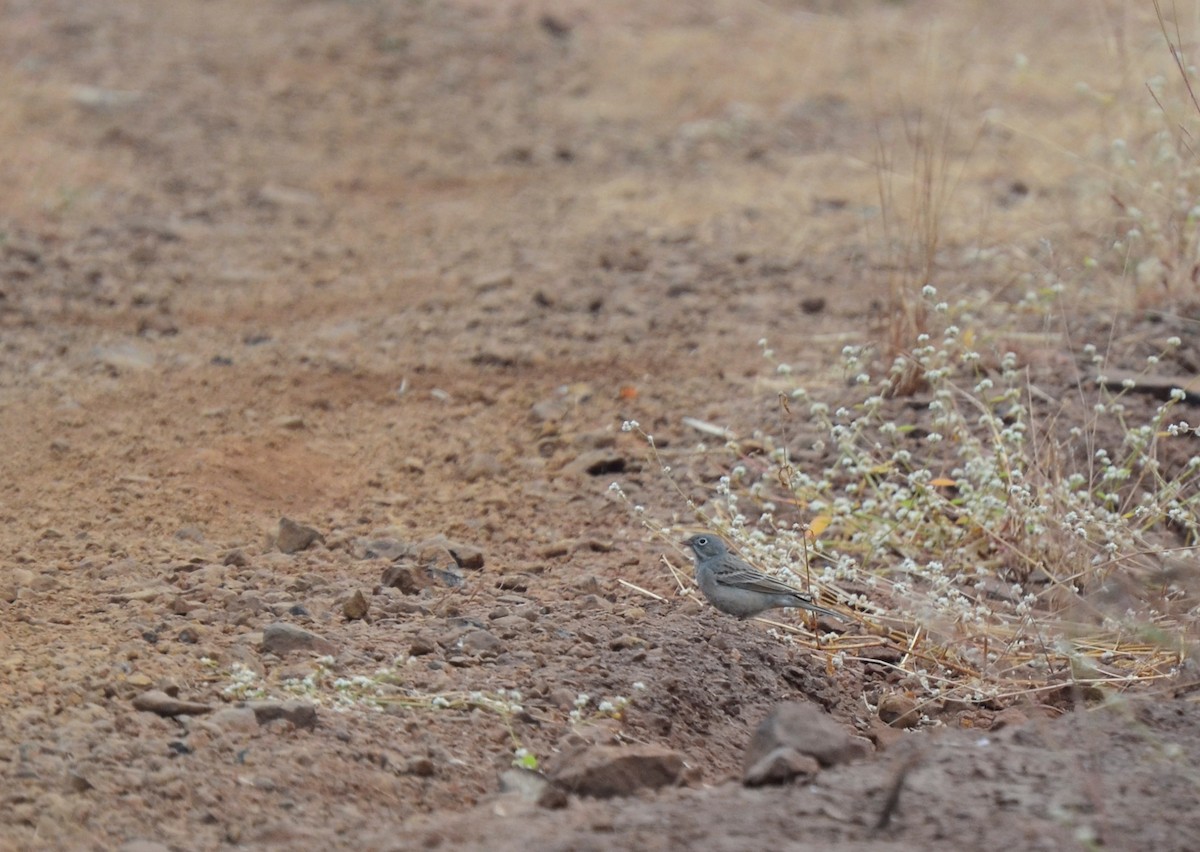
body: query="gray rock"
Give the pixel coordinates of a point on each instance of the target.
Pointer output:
(420, 646)
(481, 466)
(420, 767)
(157, 701)
(792, 731)
(294, 537)
(479, 643)
(356, 606)
(411, 578)
(97, 98)
(77, 782)
(550, 410)
(124, 357)
(780, 766)
(382, 548)
(300, 713)
(190, 533)
(14, 580)
(407, 578)
(237, 720)
(283, 638)
(509, 626)
(466, 556)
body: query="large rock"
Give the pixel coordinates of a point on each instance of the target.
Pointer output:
(409, 579)
(300, 713)
(282, 638)
(433, 551)
(293, 537)
(605, 771)
(796, 740)
(157, 701)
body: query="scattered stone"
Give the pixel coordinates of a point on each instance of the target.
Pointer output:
(529, 612)
(77, 782)
(514, 583)
(97, 98)
(246, 603)
(550, 410)
(779, 767)
(278, 195)
(509, 626)
(882, 653)
(465, 556)
(597, 440)
(420, 646)
(605, 771)
(438, 561)
(1009, 717)
(406, 578)
(625, 642)
(236, 558)
(496, 280)
(587, 584)
(190, 533)
(124, 358)
(14, 580)
(356, 606)
(595, 463)
(141, 595)
(449, 577)
(384, 548)
(594, 545)
(157, 701)
(294, 537)
(283, 638)
(235, 720)
(481, 466)
(899, 711)
(556, 548)
(421, 767)
(812, 304)
(589, 602)
(479, 643)
(300, 713)
(792, 731)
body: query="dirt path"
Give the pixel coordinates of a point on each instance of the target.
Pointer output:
(402, 270)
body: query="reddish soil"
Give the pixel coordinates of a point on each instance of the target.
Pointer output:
(399, 270)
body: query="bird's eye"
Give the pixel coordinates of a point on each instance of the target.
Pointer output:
(702, 541)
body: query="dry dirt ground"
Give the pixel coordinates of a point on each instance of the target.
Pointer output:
(399, 270)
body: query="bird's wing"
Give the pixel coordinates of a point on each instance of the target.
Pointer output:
(756, 581)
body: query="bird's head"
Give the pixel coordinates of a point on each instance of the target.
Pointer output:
(706, 545)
